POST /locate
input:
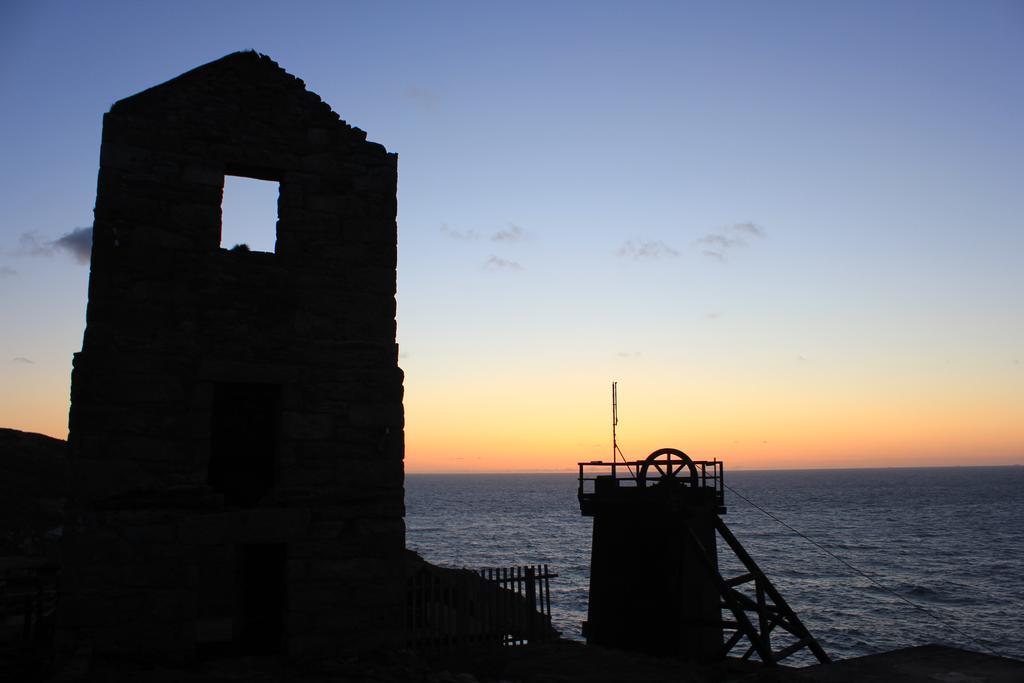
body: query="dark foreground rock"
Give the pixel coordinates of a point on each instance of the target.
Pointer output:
(922, 664)
(33, 489)
(558, 661)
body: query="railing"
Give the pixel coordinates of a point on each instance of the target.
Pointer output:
(704, 474)
(449, 609)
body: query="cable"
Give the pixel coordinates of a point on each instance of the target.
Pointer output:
(867, 576)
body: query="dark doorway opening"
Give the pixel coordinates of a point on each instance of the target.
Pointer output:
(262, 598)
(243, 441)
(216, 601)
(241, 600)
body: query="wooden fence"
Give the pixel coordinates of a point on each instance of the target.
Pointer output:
(457, 608)
(28, 598)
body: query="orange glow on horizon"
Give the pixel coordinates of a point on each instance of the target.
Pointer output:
(480, 428)
(504, 426)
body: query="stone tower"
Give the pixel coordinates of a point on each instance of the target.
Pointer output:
(236, 426)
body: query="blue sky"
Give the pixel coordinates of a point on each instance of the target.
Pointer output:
(705, 201)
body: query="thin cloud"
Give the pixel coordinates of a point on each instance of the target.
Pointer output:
(7, 271)
(719, 244)
(459, 235)
(654, 249)
(29, 245)
(513, 233)
(77, 244)
(424, 98)
(721, 241)
(750, 228)
(713, 316)
(498, 263)
(21, 360)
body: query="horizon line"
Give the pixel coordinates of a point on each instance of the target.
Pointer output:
(737, 469)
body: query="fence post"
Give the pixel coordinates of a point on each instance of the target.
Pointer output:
(531, 600)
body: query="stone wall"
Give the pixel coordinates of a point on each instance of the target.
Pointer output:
(174, 318)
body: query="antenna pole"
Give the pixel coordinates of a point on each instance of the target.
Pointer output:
(615, 424)
(615, 419)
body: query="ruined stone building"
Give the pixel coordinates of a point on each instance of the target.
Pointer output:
(236, 427)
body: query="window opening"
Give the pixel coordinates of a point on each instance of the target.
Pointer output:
(248, 214)
(243, 441)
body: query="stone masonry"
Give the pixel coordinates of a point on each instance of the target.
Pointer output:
(236, 426)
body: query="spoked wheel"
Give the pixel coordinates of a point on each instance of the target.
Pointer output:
(667, 464)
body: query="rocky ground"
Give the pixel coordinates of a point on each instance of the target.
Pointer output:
(560, 661)
(33, 488)
(555, 662)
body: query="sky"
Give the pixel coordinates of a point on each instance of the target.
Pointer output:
(793, 232)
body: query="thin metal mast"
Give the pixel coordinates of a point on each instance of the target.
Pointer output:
(615, 424)
(615, 418)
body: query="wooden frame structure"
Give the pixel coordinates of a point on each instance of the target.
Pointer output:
(672, 501)
(767, 608)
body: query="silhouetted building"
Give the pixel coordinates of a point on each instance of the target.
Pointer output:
(236, 428)
(652, 588)
(655, 581)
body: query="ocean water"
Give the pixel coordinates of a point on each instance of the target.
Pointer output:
(948, 539)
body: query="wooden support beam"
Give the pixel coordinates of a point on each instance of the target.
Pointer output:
(762, 616)
(727, 594)
(731, 642)
(743, 578)
(795, 626)
(798, 645)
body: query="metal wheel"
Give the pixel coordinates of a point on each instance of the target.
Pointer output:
(668, 464)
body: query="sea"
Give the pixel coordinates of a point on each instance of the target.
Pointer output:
(870, 559)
